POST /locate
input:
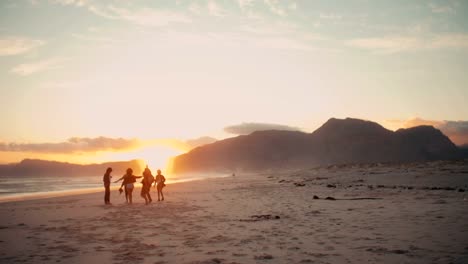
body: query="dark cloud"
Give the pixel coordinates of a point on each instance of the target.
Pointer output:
(457, 131)
(193, 143)
(247, 128)
(74, 145)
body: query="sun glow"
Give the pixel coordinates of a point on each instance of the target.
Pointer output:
(156, 157)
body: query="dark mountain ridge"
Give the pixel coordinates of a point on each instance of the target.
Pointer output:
(34, 167)
(337, 141)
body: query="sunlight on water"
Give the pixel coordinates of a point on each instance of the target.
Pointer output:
(24, 188)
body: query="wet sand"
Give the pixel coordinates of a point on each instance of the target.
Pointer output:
(414, 213)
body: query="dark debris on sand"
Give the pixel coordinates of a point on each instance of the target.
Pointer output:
(264, 256)
(255, 218)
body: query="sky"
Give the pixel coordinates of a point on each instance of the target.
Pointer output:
(90, 81)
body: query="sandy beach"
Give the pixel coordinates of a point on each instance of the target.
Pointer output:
(414, 213)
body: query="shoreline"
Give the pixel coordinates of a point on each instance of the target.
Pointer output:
(84, 191)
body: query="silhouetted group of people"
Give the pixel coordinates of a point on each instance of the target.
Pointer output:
(128, 181)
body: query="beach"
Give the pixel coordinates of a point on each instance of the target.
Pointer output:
(379, 213)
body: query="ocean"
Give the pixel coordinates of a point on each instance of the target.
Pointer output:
(24, 188)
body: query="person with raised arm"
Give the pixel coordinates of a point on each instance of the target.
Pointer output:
(146, 185)
(128, 183)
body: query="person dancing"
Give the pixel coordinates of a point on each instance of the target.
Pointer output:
(159, 184)
(146, 185)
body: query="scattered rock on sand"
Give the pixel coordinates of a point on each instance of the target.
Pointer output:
(461, 190)
(211, 261)
(298, 184)
(264, 256)
(399, 251)
(330, 198)
(383, 250)
(255, 218)
(331, 186)
(316, 197)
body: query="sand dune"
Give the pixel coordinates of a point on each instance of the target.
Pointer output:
(420, 215)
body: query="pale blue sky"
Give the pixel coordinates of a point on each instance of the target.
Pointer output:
(190, 68)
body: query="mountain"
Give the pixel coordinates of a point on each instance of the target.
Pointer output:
(31, 167)
(337, 141)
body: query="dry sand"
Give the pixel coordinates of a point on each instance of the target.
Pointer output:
(257, 218)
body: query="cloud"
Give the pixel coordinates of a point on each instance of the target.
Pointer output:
(95, 38)
(245, 4)
(388, 44)
(420, 122)
(74, 145)
(147, 16)
(274, 7)
(436, 8)
(292, 6)
(139, 16)
(215, 10)
(72, 2)
(457, 131)
(38, 66)
(394, 44)
(77, 145)
(247, 128)
(331, 16)
(195, 8)
(193, 143)
(18, 45)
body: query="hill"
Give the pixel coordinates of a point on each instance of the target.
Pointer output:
(32, 167)
(337, 141)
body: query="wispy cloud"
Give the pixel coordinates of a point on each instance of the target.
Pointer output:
(447, 7)
(74, 145)
(137, 15)
(388, 44)
(77, 145)
(200, 141)
(148, 16)
(95, 38)
(195, 8)
(331, 16)
(292, 6)
(247, 128)
(72, 2)
(18, 45)
(215, 9)
(38, 66)
(245, 4)
(394, 44)
(275, 7)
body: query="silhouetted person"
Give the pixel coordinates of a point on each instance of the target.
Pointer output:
(146, 185)
(159, 183)
(128, 180)
(107, 181)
